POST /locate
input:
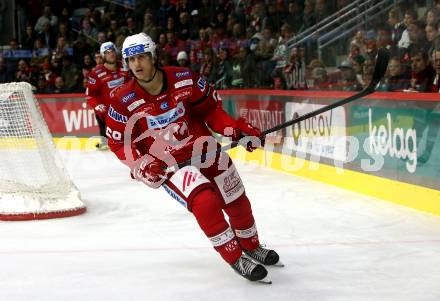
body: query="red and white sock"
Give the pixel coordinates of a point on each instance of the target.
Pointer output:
(248, 238)
(227, 245)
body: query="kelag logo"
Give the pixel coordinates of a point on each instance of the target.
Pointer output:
(383, 140)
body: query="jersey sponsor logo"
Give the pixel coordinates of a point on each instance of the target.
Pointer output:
(231, 246)
(174, 195)
(101, 74)
(182, 93)
(117, 116)
(108, 47)
(246, 233)
(161, 97)
(182, 74)
(128, 97)
(134, 50)
(148, 108)
(223, 238)
(187, 179)
(115, 83)
(230, 184)
(183, 83)
(201, 83)
(162, 120)
(113, 91)
(92, 81)
(135, 104)
(164, 105)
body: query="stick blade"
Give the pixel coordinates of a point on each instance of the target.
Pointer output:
(383, 56)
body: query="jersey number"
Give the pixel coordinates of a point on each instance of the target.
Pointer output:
(115, 135)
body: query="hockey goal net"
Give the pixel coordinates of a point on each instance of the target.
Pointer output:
(34, 183)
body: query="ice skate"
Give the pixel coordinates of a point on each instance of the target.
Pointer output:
(251, 270)
(265, 256)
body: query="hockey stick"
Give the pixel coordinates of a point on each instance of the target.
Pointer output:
(383, 56)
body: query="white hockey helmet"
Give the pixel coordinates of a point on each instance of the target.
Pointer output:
(182, 56)
(137, 44)
(107, 46)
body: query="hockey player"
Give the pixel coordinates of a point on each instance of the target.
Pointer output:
(165, 113)
(102, 83)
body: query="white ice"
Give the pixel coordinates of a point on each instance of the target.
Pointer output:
(135, 243)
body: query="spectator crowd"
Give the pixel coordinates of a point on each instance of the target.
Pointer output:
(233, 43)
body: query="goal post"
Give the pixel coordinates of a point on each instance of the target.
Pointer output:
(34, 183)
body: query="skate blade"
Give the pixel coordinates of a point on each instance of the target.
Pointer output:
(265, 280)
(279, 264)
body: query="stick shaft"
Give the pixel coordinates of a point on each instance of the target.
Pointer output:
(280, 126)
(318, 111)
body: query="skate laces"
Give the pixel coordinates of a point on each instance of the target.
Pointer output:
(259, 253)
(245, 266)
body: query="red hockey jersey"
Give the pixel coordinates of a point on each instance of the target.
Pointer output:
(178, 116)
(102, 83)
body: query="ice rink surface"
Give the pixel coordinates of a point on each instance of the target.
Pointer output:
(135, 243)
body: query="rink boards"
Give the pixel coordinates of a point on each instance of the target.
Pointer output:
(386, 145)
